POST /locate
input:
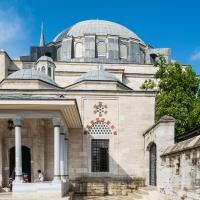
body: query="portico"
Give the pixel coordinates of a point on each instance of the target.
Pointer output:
(55, 117)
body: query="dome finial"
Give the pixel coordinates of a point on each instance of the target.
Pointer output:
(42, 42)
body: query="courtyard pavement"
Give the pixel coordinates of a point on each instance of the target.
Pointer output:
(8, 196)
(104, 198)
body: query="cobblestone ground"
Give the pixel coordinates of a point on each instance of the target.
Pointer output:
(104, 198)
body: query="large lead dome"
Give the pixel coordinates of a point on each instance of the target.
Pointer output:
(98, 41)
(97, 27)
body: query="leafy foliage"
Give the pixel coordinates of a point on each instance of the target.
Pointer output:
(148, 84)
(178, 94)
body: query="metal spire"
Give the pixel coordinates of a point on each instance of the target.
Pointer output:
(42, 42)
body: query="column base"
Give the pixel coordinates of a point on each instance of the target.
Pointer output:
(18, 179)
(65, 178)
(56, 179)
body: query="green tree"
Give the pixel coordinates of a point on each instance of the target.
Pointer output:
(148, 84)
(178, 94)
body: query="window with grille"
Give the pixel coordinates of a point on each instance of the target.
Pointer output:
(100, 155)
(123, 51)
(78, 50)
(99, 128)
(101, 49)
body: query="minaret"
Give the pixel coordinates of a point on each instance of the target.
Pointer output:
(42, 42)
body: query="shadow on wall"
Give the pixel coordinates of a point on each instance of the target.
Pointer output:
(96, 181)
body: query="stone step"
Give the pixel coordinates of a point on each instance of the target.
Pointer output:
(145, 193)
(9, 196)
(135, 195)
(142, 192)
(148, 188)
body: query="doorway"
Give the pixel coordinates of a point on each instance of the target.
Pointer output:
(26, 161)
(152, 165)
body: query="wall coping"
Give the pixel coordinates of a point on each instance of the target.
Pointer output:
(164, 119)
(185, 145)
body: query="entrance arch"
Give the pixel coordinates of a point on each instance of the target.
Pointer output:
(152, 165)
(26, 161)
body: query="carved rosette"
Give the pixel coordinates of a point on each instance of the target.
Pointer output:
(100, 109)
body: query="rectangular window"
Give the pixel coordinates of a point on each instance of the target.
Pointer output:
(100, 155)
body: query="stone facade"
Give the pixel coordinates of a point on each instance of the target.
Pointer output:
(84, 88)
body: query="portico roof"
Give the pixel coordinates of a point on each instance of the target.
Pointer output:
(67, 107)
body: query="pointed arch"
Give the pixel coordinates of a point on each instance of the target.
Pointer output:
(78, 53)
(153, 164)
(101, 49)
(100, 126)
(123, 51)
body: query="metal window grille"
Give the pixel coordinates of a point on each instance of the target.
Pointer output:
(100, 155)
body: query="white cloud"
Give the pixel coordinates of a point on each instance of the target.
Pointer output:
(195, 56)
(13, 32)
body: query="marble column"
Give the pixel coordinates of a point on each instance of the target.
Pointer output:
(62, 141)
(18, 151)
(56, 124)
(66, 166)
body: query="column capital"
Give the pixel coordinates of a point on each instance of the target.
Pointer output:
(17, 121)
(56, 121)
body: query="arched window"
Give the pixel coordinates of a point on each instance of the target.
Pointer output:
(49, 71)
(142, 56)
(123, 51)
(152, 165)
(78, 50)
(99, 128)
(58, 54)
(101, 49)
(43, 69)
(153, 58)
(48, 54)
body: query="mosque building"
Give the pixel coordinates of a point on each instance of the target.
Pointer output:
(74, 109)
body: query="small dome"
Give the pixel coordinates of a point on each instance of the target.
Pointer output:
(45, 58)
(31, 74)
(97, 75)
(97, 27)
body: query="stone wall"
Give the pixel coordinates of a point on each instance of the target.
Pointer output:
(180, 169)
(105, 186)
(178, 165)
(127, 123)
(162, 135)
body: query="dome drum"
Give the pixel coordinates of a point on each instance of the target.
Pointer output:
(94, 48)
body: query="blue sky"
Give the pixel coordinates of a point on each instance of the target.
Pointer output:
(172, 23)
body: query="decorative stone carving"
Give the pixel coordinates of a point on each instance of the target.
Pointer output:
(100, 109)
(17, 121)
(56, 121)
